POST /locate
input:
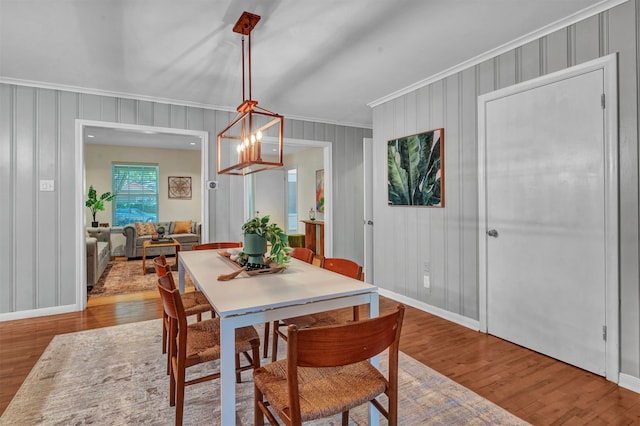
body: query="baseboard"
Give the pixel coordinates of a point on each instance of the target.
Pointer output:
(32, 313)
(449, 316)
(629, 382)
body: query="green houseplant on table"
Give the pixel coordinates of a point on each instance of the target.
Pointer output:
(257, 232)
(96, 204)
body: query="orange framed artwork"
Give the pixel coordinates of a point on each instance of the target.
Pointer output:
(320, 190)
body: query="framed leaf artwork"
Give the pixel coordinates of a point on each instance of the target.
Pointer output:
(180, 187)
(415, 172)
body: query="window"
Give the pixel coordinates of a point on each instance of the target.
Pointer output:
(136, 189)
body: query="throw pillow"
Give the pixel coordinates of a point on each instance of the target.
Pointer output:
(144, 228)
(182, 227)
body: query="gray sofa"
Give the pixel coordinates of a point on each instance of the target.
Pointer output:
(133, 245)
(98, 253)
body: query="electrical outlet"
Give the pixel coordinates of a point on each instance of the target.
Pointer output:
(47, 185)
(427, 281)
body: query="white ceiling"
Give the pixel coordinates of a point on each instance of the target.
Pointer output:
(320, 60)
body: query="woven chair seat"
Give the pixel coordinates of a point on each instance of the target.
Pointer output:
(195, 303)
(203, 341)
(348, 387)
(312, 320)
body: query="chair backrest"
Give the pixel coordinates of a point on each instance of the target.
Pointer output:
(174, 309)
(167, 282)
(161, 265)
(218, 245)
(345, 267)
(344, 344)
(302, 253)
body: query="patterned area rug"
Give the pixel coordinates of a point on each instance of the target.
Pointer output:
(126, 276)
(116, 376)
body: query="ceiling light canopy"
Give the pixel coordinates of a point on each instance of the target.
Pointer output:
(240, 143)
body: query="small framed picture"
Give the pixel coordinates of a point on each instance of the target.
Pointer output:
(180, 187)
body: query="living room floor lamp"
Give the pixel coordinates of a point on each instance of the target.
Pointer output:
(241, 143)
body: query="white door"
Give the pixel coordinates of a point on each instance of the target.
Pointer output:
(367, 160)
(545, 219)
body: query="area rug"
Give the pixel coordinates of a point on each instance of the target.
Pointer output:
(126, 276)
(116, 376)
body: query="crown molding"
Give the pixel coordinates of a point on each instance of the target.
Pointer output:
(520, 41)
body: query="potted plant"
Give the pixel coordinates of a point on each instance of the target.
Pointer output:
(257, 232)
(96, 204)
(161, 230)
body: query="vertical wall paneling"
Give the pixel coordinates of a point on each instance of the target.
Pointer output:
(529, 64)
(507, 69)
(454, 203)
(447, 238)
(25, 198)
(195, 119)
(47, 254)
(91, 107)
(161, 115)
(110, 109)
(144, 113)
(7, 192)
(556, 50)
(469, 173)
(178, 117)
(623, 22)
(127, 112)
(587, 39)
(68, 112)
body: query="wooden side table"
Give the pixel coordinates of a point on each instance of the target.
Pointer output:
(310, 239)
(149, 243)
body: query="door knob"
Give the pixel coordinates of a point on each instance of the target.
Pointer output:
(492, 233)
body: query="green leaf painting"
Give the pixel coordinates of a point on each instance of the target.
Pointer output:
(415, 169)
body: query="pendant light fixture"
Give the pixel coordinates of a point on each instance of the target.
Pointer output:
(241, 144)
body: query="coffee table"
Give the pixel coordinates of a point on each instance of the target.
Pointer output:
(149, 243)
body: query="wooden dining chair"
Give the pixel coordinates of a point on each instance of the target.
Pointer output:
(217, 245)
(327, 371)
(300, 253)
(341, 266)
(197, 343)
(194, 303)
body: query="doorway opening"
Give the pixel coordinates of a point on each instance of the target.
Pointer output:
(82, 128)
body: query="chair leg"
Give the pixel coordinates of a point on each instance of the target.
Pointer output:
(180, 396)
(238, 378)
(274, 344)
(258, 417)
(199, 317)
(345, 418)
(266, 339)
(172, 389)
(164, 333)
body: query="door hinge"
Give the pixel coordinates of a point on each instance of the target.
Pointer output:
(602, 100)
(604, 332)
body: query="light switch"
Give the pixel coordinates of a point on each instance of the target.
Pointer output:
(46, 185)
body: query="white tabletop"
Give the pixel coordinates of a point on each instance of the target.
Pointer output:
(300, 283)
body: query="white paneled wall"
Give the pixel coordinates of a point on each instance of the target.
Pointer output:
(37, 141)
(446, 238)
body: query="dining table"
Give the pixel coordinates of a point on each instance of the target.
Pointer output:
(298, 289)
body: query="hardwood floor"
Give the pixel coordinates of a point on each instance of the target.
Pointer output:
(536, 388)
